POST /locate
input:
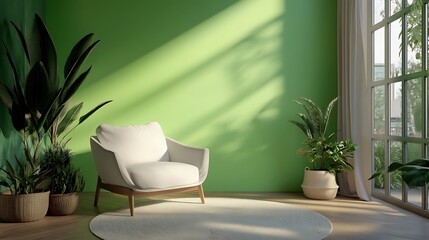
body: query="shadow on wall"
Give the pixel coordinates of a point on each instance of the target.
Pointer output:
(247, 131)
(86, 164)
(223, 77)
(246, 127)
(127, 31)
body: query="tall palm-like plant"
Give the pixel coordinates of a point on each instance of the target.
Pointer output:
(38, 104)
(323, 152)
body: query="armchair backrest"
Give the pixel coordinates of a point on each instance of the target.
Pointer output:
(134, 144)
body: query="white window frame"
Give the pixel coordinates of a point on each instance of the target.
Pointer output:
(423, 74)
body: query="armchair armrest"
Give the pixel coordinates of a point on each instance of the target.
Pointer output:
(109, 169)
(198, 157)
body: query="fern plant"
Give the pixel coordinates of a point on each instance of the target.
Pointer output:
(64, 178)
(322, 152)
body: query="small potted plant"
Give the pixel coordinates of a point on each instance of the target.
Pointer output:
(326, 155)
(65, 181)
(25, 200)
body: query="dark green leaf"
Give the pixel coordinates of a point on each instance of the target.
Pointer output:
(416, 178)
(87, 115)
(55, 116)
(300, 126)
(17, 114)
(419, 162)
(394, 166)
(23, 41)
(19, 94)
(43, 49)
(9, 170)
(38, 89)
(68, 93)
(5, 184)
(75, 68)
(76, 53)
(374, 176)
(47, 113)
(6, 96)
(69, 118)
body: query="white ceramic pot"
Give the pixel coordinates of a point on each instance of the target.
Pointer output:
(319, 184)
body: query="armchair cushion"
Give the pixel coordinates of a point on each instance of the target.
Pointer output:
(134, 144)
(163, 175)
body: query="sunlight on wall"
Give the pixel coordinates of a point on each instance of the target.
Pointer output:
(218, 74)
(211, 68)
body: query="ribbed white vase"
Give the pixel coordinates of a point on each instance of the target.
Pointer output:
(319, 184)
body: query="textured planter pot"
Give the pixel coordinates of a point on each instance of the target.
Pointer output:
(23, 207)
(319, 184)
(62, 204)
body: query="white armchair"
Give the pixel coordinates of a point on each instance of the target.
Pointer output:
(140, 161)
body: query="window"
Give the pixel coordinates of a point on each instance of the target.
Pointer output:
(398, 33)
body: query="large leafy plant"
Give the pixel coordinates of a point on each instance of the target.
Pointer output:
(322, 151)
(38, 104)
(414, 173)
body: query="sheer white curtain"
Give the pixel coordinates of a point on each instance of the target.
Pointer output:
(354, 110)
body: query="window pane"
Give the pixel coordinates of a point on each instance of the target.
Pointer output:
(396, 109)
(400, 93)
(379, 110)
(395, 48)
(378, 68)
(379, 156)
(414, 108)
(414, 41)
(395, 6)
(414, 151)
(378, 11)
(395, 177)
(415, 196)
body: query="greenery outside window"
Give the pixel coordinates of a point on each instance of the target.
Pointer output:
(398, 38)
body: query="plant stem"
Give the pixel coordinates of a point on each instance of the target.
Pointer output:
(68, 132)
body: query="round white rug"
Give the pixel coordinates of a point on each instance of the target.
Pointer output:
(219, 218)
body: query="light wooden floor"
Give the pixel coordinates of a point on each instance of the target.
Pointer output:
(352, 219)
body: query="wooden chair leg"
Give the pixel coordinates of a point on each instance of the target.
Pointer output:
(201, 192)
(131, 202)
(97, 191)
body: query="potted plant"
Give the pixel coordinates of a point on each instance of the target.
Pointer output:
(26, 199)
(65, 181)
(38, 103)
(326, 155)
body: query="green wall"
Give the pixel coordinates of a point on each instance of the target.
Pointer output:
(21, 12)
(218, 74)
